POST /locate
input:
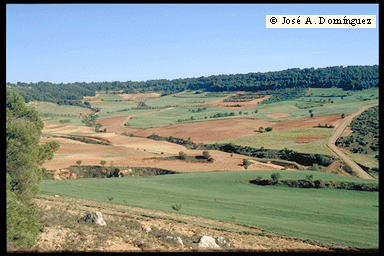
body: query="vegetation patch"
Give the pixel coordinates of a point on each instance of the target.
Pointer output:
(284, 154)
(310, 183)
(97, 171)
(365, 133)
(85, 139)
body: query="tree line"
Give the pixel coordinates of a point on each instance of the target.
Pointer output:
(348, 78)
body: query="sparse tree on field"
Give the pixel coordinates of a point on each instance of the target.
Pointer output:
(246, 163)
(102, 162)
(275, 176)
(78, 162)
(182, 155)
(206, 154)
(309, 177)
(261, 129)
(268, 129)
(342, 115)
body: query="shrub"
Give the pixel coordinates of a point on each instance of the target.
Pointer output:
(309, 177)
(275, 176)
(182, 155)
(206, 154)
(246, 163)
(319, 184)
(176, 207)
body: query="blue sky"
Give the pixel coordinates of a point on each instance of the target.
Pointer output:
(119, 42)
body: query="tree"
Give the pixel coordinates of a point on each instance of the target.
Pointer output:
(182, 155)
(268, 129)
(206, 154)
(246, 163)
(275, 176)
(78, 162)
(23, 159)
(342, 115)
(46, 151)
(97, 127)
(261, 129)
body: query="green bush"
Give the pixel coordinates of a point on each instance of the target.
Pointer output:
(176, 207)
(275, 176)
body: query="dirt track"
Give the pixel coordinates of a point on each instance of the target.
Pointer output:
(336, 134)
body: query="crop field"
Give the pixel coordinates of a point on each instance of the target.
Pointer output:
(54, 113)
(343, 217)
(310, 140)
(219, 190)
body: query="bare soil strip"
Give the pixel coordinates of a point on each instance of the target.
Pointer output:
(238, 105)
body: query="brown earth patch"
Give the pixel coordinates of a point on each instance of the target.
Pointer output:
(129, 96)
(235, 105)
(308, 122)
(142, 152)
(307, 139)
(215, 130)
(206, 131)
(278, 115)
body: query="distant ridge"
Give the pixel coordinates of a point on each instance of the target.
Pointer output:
(347, 78)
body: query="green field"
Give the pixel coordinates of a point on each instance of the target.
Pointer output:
(169, 109)
(54, 113)
(325, 215)
(287, 139)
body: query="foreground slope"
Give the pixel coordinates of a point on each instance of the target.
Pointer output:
(132, 229)
(327, 215)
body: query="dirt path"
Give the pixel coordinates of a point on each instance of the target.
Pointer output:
(336, 134)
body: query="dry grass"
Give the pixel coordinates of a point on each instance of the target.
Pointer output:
(64, 230)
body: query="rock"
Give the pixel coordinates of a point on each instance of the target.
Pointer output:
(208, 242)
(64, 174)
(177, 239)
(180, 242)
(147, 229)
(124, 172)
(221, 241)
(95, 217)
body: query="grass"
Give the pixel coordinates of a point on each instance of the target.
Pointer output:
(334, 216)
(54, 113)
(287, 139)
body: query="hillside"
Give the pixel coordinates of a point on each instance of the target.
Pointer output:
(347, 78)
(365, 133)
(140, 230)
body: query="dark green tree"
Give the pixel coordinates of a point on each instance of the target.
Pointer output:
(23, 159)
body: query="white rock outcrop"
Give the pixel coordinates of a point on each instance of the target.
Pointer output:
(95, 217)
(208, 242)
